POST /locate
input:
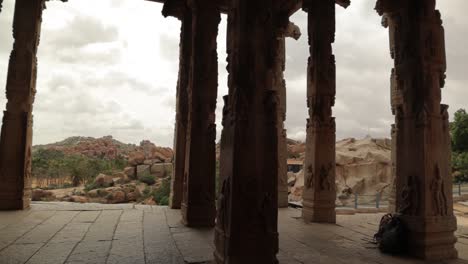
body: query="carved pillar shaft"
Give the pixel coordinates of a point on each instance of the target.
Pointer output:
(392, 195)
(246, 230)
(16, 136)
(175, 199)
(280, 85)
(319, 188)
(198, 206)
(424, 181)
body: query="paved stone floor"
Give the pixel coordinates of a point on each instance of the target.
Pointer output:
(91, 233)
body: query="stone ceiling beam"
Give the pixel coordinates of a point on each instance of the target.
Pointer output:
(292, 6)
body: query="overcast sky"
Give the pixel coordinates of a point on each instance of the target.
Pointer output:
(109, 67)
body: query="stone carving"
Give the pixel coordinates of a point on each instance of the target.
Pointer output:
(225, 110)
(271, 103)
(410, 197)
(422, 116)
(309, 177)
(28, 164)
(438, 194)
(325, 179)
(224, 203)
(267, 206)
(319, 203)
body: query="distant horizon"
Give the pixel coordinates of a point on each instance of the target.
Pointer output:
(217, 142)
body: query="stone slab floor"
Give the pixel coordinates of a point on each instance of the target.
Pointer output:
(91, 233)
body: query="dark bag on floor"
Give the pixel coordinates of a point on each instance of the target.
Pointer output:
(392, 235)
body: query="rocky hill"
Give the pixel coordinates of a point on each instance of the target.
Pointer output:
(107, 148)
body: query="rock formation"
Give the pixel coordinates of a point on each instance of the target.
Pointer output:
(362, 167)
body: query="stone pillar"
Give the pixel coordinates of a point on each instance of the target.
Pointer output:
(179, 10)
(319, 188)
(16, 136)
(246, 226)
(392, 195)
(291, 31)
(424, 181)
(198, 205)
(396, 100)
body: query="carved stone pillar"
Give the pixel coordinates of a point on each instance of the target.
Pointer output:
(198, 205)
(424, 181)
(179, 10)
(246, 226)
(291, 31)
(16, 136)
(392, 195)
(396, 101)
(319, 188)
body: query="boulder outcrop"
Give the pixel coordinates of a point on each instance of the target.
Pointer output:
(363, 167)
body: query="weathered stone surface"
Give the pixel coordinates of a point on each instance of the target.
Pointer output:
(87, 238)
(78, 199)
(16, 132)
(319, 166)
(161, 170)
(198, 204)
(422, 158)
(121, 178)
(39, 195)
(180, 140)
(104, 181)
(136, 158)
(289, 30)
(249, 141)
(159, 243)
(127, 245)
(143, 170)
(130, 172)
(117, 196)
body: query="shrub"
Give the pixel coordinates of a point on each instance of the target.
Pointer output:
(161, 194)
(147, 192)
(164, 201)
(91, 186)
(148, 179)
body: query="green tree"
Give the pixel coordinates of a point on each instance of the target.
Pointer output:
(459, 131)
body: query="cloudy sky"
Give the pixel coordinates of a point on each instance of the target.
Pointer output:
(109, 67)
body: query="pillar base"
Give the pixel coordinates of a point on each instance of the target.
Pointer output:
(198, 216)
(14, 204)
(318, 213)
(173, 203)
(432, 238)
(283, 201)
(249, 252)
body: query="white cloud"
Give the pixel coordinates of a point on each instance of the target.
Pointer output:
(111, 66)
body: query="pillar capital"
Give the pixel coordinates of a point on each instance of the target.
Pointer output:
(174, 8)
